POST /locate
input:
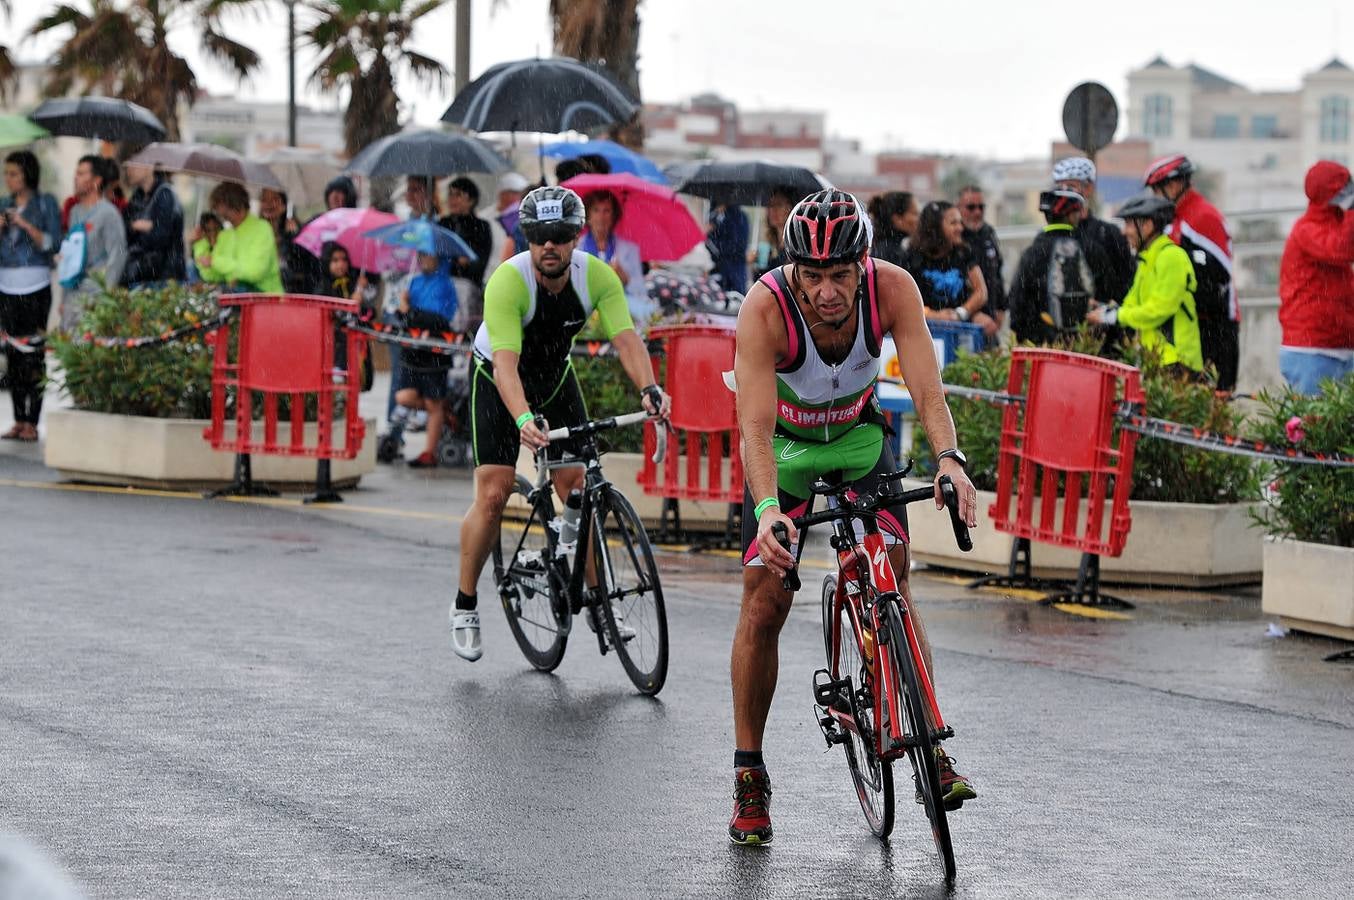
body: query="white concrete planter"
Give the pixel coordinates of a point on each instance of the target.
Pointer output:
(1170, 544)
(622, 470)
(133, 450)
(1310, 587)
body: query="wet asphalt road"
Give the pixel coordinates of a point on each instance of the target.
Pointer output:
(246, 700)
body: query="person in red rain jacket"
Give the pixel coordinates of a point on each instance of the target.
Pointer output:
(1316, 283)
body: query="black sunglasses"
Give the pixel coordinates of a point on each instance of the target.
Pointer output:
(975, 207)
(550, 233)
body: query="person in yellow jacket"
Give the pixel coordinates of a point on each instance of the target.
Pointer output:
(245, 255)
(1160, 304)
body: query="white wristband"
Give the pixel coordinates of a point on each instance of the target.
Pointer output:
(962, 313)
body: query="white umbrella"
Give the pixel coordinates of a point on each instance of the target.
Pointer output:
(304, 174)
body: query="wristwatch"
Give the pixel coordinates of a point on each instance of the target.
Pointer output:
(955, 454)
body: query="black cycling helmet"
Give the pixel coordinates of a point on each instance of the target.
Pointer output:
(1158, 209)
(550, 214)
(1060, 202)
(827, 228)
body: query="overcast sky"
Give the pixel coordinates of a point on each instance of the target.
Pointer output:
(984, 77)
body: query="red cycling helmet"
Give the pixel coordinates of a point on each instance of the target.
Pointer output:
(1168, 167)
(1060, 202)
(827, 228)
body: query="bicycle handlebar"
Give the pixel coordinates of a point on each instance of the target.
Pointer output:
(866, 506)
(608, 423)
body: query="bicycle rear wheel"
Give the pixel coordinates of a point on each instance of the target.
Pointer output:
(872, 776)
(629, 579)
(922, 750)
(528, 582)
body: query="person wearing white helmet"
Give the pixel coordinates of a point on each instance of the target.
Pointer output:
(1105, 246)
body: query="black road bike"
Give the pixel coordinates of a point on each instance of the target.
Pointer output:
(608, 573)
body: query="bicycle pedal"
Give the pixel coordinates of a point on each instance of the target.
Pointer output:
(832, 732)
(836, 694)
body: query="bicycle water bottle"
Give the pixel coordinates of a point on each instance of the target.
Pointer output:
(568, 529)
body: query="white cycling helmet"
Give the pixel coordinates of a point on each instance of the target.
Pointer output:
(1074, 168)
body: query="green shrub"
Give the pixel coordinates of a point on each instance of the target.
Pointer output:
(1310, 502)
(171, 381)
(1162, 470)
(608, 391)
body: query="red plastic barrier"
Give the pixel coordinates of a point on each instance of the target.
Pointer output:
(284, 347)
(1062, 444)
(705, 418)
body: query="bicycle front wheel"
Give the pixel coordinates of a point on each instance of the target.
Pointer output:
(871, 776)
(921, 750)
(628, 578)
(528, 582)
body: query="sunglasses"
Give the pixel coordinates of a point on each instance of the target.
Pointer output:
(550, 233)
(975, 207)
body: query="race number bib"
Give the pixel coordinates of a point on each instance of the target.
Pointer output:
(549, 210)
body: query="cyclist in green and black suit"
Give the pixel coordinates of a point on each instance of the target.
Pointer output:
(534, 306)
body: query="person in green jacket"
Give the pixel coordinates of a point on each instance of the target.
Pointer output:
(1160, 304)
(245, 255)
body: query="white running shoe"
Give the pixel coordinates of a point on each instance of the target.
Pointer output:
(625, 631)
(465, 633)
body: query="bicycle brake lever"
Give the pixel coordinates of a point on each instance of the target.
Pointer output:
(791, 579)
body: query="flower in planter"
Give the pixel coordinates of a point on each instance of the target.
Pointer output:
(1293, 427)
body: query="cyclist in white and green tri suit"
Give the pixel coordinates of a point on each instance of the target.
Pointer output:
(534, 306)
(807, 361)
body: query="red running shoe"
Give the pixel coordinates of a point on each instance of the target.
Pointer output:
(424, 460)
(751, 822)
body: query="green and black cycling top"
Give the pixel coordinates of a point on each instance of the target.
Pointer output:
(521, 315)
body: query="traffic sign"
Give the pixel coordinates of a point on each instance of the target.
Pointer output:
(1090, 117)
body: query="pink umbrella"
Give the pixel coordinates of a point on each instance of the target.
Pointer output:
(346, 226)
(652, 215)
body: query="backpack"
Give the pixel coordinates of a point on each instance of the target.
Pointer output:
(1069, 287)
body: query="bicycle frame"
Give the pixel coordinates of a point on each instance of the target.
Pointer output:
(861, 564)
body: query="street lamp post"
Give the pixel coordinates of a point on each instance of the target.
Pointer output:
(291, 73)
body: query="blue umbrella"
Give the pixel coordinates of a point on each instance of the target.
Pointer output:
(422, 236)
(622, 159)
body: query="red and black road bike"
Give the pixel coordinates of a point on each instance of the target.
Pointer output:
(875, 697)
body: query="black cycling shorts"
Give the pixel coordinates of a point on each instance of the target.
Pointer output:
(494, 434)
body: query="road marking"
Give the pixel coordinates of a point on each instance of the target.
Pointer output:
(1092, 612)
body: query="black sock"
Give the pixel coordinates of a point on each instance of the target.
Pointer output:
(748, 759)
(466, 601)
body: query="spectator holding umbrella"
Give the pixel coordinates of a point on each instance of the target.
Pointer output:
(30, 232)
(463, 195)
(429, 302)
(1316, 283)
(769, 255)
(154, 220)
(99, 248)
(726, 237)
(422, 204)
(245, 256)
(603, 213)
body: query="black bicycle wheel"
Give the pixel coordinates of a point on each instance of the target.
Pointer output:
(829, 597)
(922, 750)
(629, 577)
(529, 584)
(872, 776)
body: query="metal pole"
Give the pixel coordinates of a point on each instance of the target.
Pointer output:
(462, 73)
(291, 73)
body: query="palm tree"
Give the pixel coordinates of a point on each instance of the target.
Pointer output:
(124, 51)
(604, 32)
(9, 73)
(362, 43)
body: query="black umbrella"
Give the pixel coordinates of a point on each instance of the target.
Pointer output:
(742, 183)
(428, 153)
(547, 95)
(99, 117)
